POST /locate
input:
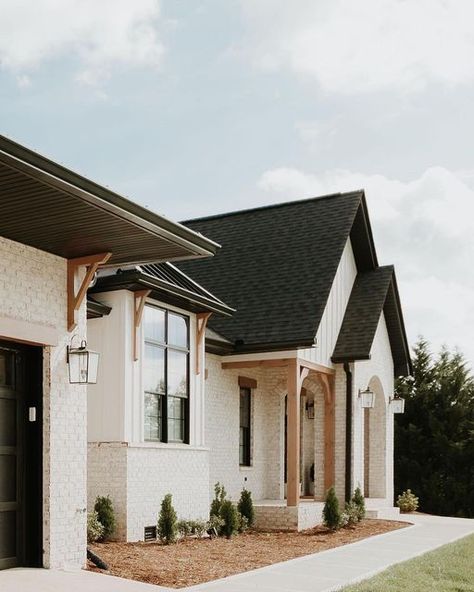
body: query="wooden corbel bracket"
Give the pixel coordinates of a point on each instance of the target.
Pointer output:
(201, 323)
(74, 300)
(139, 300)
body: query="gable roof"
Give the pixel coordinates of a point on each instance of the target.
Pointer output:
(373, 292)
(276, 268)
(167, 284)
(277, 265)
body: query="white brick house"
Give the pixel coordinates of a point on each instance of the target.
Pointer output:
(56, 228)
(273, 403)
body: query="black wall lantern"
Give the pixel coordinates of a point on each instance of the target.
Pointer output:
(83, 364)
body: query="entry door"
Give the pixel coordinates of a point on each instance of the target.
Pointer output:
(11, 439)
(20, 456)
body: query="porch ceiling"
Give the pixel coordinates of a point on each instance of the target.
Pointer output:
(49, 207)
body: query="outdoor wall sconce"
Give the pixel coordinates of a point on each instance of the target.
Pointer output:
(83, 364)
(367, 398)
(310, 409)
(397, 404)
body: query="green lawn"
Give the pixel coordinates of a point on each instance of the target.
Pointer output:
(448, 569)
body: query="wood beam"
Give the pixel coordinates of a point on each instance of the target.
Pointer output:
(139, 300)
(329, 430)
(278, 363)
(74, 300)
(316, 367)
(201, 323)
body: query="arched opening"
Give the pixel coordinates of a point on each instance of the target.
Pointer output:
(375, 443)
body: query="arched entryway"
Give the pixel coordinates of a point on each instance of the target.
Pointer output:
(375, 443)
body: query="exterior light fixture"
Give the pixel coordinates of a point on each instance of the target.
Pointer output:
(310, 409)
(83, 364)
(397, 404)
(367, 398)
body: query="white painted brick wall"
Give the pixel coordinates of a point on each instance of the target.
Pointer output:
(33, 289)
(137, 477)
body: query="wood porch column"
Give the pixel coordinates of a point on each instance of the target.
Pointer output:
(296, 375)
(329, 431)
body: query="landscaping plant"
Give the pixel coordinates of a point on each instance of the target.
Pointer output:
(220, 496)
(331, 512)
(214, 525)
(245, 507)
(105, 515)
(95, 530)
(351, 514)
(167, 521)
(242, 522)
(230, 517)
(407, 501)
(359, 501)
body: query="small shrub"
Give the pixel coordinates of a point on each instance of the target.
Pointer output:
(95, 530)
(184, 528)
(359, 501)
(199, 528)
(214, 525)
(242, 521)
(167, 521)
(245, 507)
(331, 512)
(351, 514)
(220, 496)
(407, 501)
(105, 515)
(230, 517)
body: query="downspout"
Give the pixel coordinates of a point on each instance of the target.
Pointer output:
(348, 491)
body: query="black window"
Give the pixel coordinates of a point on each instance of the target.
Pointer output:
(165, 375)
(245, 423)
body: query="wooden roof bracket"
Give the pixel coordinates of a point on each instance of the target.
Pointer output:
(139, 300)
(74, 300)
(201, 323)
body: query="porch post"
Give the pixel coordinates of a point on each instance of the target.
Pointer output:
(295, 377)
(329, 433)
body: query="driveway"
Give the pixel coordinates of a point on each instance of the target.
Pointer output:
(321, 572)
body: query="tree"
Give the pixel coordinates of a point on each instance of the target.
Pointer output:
(167, 521)
(331, 512)
(434, 443)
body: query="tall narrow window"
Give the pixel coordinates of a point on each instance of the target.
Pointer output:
(245, 423)
(165, 375)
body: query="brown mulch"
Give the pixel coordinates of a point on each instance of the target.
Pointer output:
(194, 561)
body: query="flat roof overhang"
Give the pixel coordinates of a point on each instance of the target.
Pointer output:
(45, 205)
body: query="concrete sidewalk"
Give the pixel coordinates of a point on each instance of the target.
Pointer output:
(335, 568)
(321, 572)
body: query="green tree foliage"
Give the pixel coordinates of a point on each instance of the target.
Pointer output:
(220, 495)
(434, 438)
(245, 506)
(105, 515)
(359, 501)
(167, 521)
(230, 516)
(331, 512)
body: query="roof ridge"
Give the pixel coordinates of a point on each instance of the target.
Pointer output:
(275, 205)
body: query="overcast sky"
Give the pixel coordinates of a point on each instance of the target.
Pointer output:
(194, 107)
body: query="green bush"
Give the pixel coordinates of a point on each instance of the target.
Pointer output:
(230, 517)
(242, 522)
(220, 496)
(95, 530)
(184, 528)
(407, 501)
(351, 514)
(214, 525)
(188, 528)
(359, 501)
(245, 507)
(331, 512)
(105, 515)
(167, 521)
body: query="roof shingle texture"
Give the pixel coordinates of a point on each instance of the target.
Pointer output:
(276, 267)
(362, 315)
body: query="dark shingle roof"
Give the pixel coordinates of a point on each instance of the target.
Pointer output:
(373, 292)
(276, 266)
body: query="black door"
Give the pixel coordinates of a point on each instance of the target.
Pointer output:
(20, 455)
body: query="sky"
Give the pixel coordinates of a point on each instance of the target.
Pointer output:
(195, 107)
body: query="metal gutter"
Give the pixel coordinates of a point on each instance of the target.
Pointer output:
(348, 472)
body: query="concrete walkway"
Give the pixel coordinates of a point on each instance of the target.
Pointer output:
(322, 572)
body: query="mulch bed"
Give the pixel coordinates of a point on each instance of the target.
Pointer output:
(194, 561)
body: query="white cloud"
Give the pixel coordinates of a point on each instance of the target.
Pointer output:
(366, 45)
(99, 34)
(425, 227)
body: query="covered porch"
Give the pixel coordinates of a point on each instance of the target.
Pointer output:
(302, 432)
